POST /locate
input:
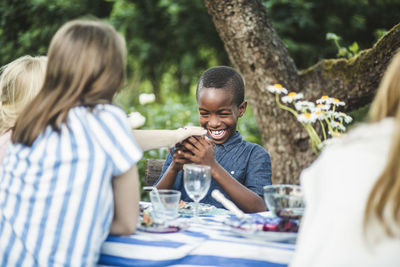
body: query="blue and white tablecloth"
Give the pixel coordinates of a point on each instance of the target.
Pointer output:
(209, 242)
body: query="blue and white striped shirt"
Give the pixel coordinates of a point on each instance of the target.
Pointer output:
(56, 199)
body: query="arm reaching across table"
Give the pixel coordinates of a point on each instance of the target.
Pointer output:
(151, 139)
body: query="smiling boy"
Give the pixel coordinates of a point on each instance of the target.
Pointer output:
(239, 169)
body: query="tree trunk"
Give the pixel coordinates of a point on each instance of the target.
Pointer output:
(255, 49)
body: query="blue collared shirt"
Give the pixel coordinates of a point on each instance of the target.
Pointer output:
(247, 162)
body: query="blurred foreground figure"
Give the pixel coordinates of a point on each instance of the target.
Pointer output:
(352, 191)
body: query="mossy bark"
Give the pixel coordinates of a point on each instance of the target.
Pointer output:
(255, 49)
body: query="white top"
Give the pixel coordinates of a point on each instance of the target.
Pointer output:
(56, 199)
(336, 188)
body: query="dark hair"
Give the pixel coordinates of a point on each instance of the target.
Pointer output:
(222, 77)
(86, 67)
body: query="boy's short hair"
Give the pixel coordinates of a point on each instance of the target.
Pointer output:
(222, 77)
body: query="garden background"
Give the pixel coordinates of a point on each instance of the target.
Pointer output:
(171, 42)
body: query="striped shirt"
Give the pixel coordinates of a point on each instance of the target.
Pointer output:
(56, 199)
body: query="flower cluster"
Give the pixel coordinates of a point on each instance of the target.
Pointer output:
(323, 111)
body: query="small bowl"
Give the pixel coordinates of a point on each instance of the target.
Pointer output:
(284, 200)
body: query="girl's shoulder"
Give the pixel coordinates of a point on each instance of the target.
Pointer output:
(369, 140)
(109, 108)
(102, 116)
(99, 110)
(366, 133)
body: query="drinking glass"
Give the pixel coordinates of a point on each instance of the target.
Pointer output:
(165, 203)
(196, 180)
(284, 200)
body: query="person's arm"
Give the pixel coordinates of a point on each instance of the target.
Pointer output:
(126, 202)
(151, 139)
(202, 152)
(247, 200)
(168, 179)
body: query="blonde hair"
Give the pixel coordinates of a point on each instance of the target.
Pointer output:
(20, 81)
(86, 67)
(385, 195)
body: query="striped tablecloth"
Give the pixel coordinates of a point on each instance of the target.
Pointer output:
(209, 242)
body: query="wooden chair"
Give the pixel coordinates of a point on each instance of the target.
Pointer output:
(153, 171)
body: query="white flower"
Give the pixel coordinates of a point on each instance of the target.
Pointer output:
(307, 113)
(307, 117)
(277, 88)
(337, 102)
(338, 115)
(341, 116)
(146, 99)
(304, 106)
(325, 100)
(136, 120)
(322, 107)
(319, 114)
(338, 125)
(329, 113)
(292, 96)
(347, 118)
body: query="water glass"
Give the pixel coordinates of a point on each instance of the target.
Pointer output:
(196, 180)
(165, 203)
(284, 200)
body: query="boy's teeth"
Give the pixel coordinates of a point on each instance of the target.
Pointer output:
(217, 134)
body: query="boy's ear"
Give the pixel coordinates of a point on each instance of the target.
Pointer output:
(242, 108)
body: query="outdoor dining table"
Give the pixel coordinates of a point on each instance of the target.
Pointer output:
(207, 242)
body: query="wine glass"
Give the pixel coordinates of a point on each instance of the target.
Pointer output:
(196, 180)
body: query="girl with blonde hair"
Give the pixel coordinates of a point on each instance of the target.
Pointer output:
(352, 191)
(20, 81)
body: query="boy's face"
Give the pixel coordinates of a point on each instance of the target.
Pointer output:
(219, 113)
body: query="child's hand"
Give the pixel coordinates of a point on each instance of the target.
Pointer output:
(200, 150)
(178, 158)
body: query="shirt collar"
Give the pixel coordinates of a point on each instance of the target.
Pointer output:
(232, 141)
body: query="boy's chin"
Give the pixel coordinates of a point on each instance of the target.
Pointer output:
(219, 140)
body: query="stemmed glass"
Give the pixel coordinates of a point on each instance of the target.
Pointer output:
(196, 180)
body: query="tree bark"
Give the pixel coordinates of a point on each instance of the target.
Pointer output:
(255, 49)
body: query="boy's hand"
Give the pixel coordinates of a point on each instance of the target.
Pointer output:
(178, 159)
(200, 150)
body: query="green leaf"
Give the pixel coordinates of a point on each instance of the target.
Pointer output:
(354, 48)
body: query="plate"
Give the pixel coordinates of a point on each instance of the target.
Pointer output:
(272, 229)
(270, 236)
(159, 229)
(203, 209)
